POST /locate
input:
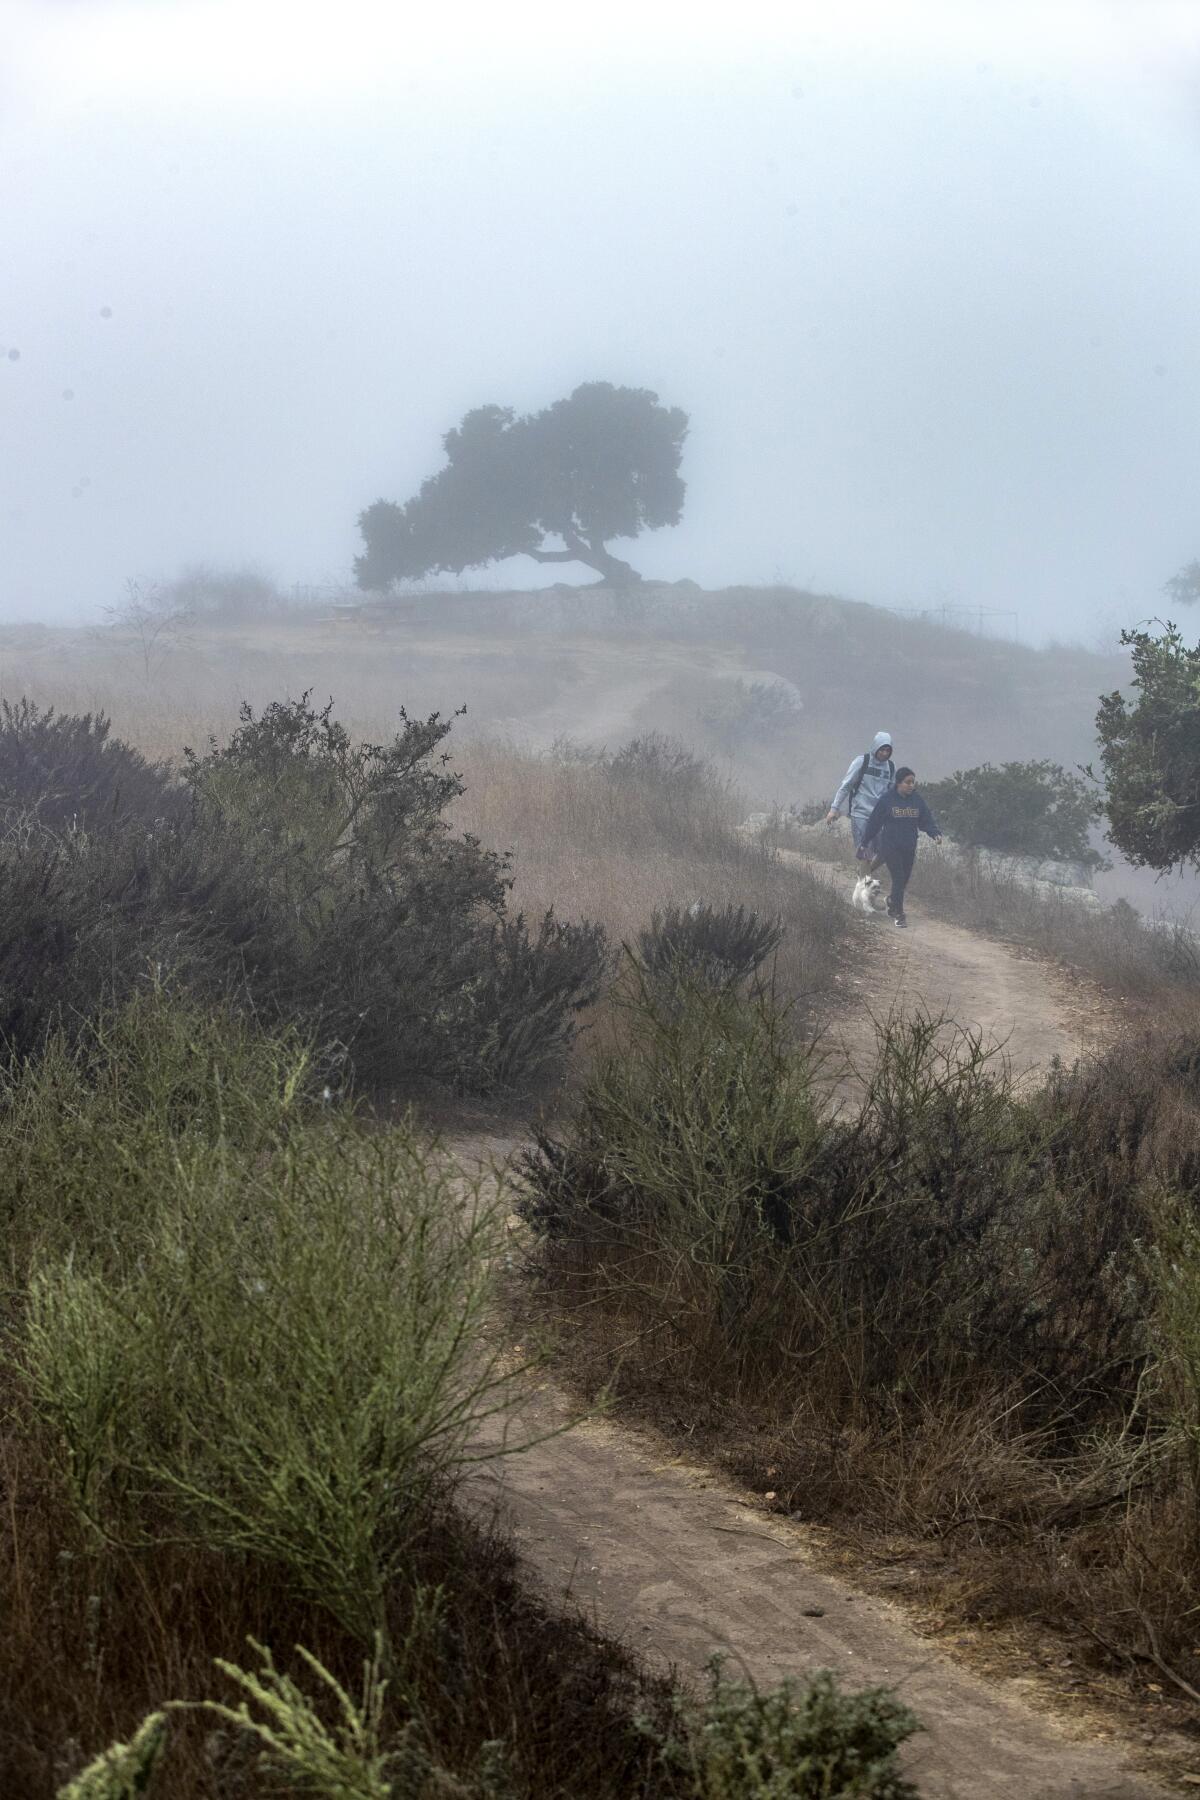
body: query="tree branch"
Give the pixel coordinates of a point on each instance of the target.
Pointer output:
(592, 553)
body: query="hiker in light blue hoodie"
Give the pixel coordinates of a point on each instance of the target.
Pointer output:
(867, 780)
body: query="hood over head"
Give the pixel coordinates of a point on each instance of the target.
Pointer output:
(881, 738)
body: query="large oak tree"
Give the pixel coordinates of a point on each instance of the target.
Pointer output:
(554, 485)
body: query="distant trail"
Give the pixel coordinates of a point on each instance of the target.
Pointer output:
(676, 1561)
(1032, 1009)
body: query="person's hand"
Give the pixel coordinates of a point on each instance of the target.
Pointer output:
(862, 853)
(831, 817)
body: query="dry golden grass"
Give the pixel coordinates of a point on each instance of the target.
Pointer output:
(616, 852)
(180, 689)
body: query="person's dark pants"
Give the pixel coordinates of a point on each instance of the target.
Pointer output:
(900, 868)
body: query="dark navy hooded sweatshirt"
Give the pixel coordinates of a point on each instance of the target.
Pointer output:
(896, 820)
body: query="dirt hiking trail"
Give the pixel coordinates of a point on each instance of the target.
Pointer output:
(1028, 1008)
(677, 1562)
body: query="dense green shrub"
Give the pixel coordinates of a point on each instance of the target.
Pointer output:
(953, 1223)
(809, 1741)
(383, 928)
(86, 917)
(697, 1127)
(1021, 808)
(1149, 754)
(92, 1134)
(682, 1155)
(347, 1761)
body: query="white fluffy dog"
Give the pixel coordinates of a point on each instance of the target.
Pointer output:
(866, 894)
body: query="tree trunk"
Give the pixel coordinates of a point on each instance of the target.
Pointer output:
(591, 552)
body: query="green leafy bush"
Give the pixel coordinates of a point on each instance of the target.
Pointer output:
(352, 1759)
(377, 924)
(276, 1352)
(1021, 808)
(810, 1742)
(1150, 752)
(1173, 1264)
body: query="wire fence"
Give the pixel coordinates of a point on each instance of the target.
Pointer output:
(981, 621)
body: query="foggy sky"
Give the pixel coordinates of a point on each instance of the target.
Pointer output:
(928, 291)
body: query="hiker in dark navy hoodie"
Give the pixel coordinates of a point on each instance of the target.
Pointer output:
(891, 835)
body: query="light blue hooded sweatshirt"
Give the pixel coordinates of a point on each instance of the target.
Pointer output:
(876, 781)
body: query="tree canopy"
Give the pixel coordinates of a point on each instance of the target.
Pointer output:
(1184, 588)
(1020, 808)
(602, 463)
(1150, 752)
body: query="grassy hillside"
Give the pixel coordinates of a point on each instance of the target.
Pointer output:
(778, 685)
(533, 660)
(942, 690)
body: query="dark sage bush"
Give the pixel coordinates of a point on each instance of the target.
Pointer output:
(66, 771)
(712, 944)
(312, 876)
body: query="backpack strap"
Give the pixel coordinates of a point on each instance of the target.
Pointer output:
(863, 766)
